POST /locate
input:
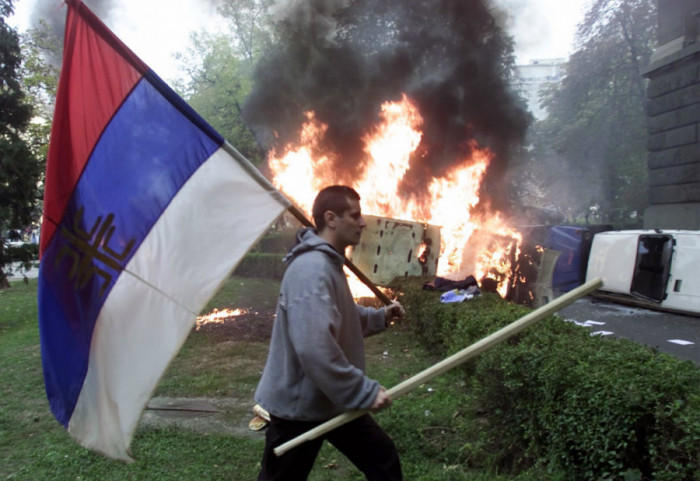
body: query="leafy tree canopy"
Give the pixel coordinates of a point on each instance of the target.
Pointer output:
(19, 168)
(41, 50)
(219, 71)
(218, 82)
(249, 27)
(590, 152)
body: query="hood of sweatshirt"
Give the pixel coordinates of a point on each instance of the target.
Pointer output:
(308, 240)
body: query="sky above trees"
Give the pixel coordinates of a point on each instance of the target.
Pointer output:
(155, 30)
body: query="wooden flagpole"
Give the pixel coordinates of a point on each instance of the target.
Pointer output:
(450, 362)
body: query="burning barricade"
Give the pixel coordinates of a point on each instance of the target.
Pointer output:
(433, 232)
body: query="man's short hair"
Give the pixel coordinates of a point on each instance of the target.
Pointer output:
(334, 198)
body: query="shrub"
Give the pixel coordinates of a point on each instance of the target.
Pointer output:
(595, 407)
(257, 264)
(276, 242)
(23, 253)
(428, 319)
(553, 396)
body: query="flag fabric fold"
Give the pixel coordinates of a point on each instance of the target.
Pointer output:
(146, 211)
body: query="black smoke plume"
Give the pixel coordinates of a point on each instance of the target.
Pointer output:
(343, 59)
(53, 12)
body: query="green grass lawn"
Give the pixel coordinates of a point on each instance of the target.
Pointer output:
(215, 365)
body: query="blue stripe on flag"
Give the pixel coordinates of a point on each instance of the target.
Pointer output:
(146, 154)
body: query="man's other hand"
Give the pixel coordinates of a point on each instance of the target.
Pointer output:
(394, 310)
(381, 401)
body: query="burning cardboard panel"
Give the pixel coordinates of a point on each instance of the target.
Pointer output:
(391, 248)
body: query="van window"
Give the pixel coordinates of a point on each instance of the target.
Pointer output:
(652, 267)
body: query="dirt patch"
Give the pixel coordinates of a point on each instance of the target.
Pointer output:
(244, 324)
(222, 415)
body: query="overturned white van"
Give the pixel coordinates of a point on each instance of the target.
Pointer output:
(653, 268)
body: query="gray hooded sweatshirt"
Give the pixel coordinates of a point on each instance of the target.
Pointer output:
(315, 367)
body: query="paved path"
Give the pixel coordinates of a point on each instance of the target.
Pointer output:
(18, 273)
(673, 334)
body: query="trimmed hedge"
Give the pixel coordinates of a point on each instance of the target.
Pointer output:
(556, 397)
(257, 264)
(276, 242)
(265, 260)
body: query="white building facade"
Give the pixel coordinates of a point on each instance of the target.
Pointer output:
(534, 77)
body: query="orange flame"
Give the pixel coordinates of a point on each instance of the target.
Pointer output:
(358, 288)
(218, 317)
(483, 247)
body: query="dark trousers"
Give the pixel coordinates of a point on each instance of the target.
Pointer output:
(362, 441)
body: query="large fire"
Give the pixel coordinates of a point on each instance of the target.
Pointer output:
(484, 247)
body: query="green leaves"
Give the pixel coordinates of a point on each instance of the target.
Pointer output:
(20, 169)
(592, 148)
(556, 397)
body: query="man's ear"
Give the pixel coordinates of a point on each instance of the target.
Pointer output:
(330, 218)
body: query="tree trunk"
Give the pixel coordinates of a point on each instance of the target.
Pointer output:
(4, 282)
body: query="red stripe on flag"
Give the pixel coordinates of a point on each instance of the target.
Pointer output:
(98, 73)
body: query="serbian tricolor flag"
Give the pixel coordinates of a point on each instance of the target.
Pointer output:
(146, 211)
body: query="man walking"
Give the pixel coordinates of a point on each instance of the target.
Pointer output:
(315, 367)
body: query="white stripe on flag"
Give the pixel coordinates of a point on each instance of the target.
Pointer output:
(138, 332)
(206, 230)
(210, 225)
